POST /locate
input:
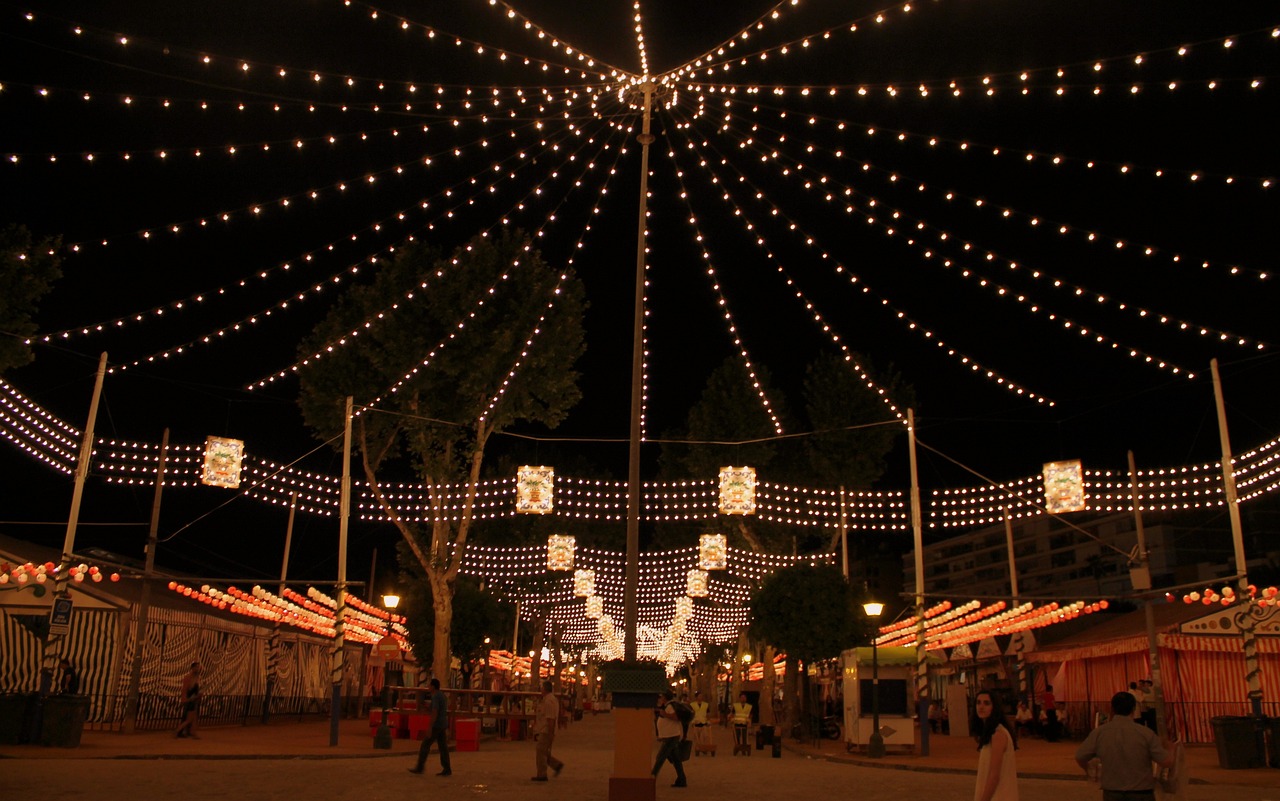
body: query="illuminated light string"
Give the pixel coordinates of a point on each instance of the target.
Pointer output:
(524, 352)
(639, 27)
(1069, 325)
(370, 179)
(1190, 486)
(408, 295)
(818, 318)
(460, 325)
(1023, 75)
(547, 38)
(285, 303)
(860, 284)
(725, 48)
(473, 108)
(1022, 156)
(1034, 221)
(249, 66)
(723, 302)
(28, 572)
(296, 143)
(794, 168)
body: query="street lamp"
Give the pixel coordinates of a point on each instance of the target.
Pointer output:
(875, 743)
(382, 737)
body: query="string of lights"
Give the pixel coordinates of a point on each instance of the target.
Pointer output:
(790, 167)
(891, 230)
(860, 285)
(1019, 155)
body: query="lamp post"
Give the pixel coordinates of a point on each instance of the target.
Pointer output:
(382, 737)
(875, 743)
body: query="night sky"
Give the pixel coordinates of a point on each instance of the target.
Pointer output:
(1182, 171)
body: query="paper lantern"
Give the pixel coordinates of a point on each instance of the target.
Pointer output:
(713, 552)
(560, 552)
(584, 583)
(684, 608)
(222, 461)
(1064, 487)
(696, 584)
(535, 490)
(595, 607)
(737, 490)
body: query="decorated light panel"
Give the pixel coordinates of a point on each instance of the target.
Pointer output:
(1064, 487)
(713, 552)
(737, 490)
(684, 608)
(696, 584)
(222, 461)
(584, 583)
(560, 552)
(535, 490)
(595, 607)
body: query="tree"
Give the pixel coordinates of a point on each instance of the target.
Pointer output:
(456, 349)
(729, 426)
(28, 270)
(476, 614)
(811, 613)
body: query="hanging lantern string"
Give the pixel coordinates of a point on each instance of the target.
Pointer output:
(734, 335)
(208, 57)
(382, 314)
(725, 48)
(554, 42)
(891, 230)
(860, 284)
(804, 44)
(893, 177)
(1028, 157)
(257, 210)
(281, 305)
(478, 107)
(461, 324)
(791, 168)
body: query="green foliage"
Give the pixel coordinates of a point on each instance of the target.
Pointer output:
(808, 611)
(849, 447)
(476, 614)
(28, 270)
(432, 418)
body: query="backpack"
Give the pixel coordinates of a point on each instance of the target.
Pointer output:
(684, 713)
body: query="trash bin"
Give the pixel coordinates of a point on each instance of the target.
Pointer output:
(1272, 728)
(15, 718)
(1239, 741)
(63, 720)
(466, 735)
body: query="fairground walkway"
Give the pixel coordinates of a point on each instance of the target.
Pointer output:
(293, 759)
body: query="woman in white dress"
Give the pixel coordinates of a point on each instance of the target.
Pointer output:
(997, 766)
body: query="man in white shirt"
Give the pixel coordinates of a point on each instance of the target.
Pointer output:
(545, 732)
(670, 733)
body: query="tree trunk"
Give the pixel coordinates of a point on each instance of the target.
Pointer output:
(766, 688)
(791, 691)
(442, 604)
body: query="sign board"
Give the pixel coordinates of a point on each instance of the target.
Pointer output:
(60, 617)
(387, 648)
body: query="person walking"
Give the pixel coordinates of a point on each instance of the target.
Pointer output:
(190, 699)
(997, 765)
(545, 733)
(439, 732)
(1127, 750)
(670, 732)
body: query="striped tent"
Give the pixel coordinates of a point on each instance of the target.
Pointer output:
(1202, 673)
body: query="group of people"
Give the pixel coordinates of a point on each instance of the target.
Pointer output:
(1123, 749)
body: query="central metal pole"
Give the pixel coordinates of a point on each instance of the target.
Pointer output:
(917, 531)
(340, 605)
(630, 613)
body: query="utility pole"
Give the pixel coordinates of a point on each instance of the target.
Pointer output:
(1140, 577)
(340, 605)
(144, 599)
(917, 530)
